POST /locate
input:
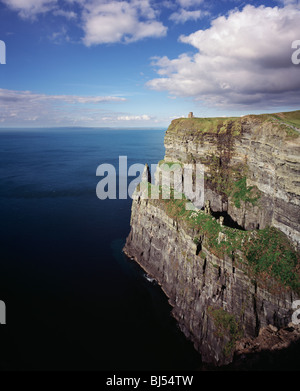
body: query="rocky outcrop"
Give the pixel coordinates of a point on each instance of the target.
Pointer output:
(199, 284)
(225, 284)
(272, 349)
(260, 148)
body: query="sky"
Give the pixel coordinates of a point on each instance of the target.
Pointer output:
(142, 63)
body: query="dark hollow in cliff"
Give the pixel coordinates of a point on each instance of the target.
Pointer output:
(228, 221)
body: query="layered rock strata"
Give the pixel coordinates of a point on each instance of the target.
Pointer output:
(225, 284)
(262, 149)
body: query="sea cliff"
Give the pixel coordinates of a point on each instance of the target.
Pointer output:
(232, 270)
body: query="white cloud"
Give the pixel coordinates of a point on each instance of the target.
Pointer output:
(183, 15)
(67, 14)
(102, 21)
(143, 117)
(25, 107)
(189, 3)
(59, 37)
(244, 58)
(30, 8)
(120, 21)
(29, 97)
(290, 2)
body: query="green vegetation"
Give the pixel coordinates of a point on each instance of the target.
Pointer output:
(231, 182)
(241, 192)
(265, 255)
(270, 253)
(226, 325)
(290, 118)
(291, 133)
(202, 254)
(205, 125)
(287, 122)
(199, 126)
(196, 241)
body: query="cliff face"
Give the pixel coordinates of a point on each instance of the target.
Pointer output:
(225, 283)
(264, 149)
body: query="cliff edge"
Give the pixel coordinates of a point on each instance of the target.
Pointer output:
(230, 269)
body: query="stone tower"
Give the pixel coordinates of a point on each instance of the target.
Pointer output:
(191, 115)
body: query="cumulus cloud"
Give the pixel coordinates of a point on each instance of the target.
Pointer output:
(120, 21)
(102, 21)
(244, 58)
(26, 107)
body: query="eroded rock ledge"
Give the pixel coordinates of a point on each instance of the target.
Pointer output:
(226, 284)
(273, 349)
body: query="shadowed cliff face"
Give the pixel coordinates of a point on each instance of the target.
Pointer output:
(224, 283)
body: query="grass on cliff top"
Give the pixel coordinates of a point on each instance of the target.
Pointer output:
(204, 125)
(288, 120)
(266, 254)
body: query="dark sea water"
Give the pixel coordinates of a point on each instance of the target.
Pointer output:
(73, 299)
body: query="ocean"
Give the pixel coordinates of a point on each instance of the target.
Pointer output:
(73, 300)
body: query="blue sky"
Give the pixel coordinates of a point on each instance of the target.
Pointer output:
(142, 63)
